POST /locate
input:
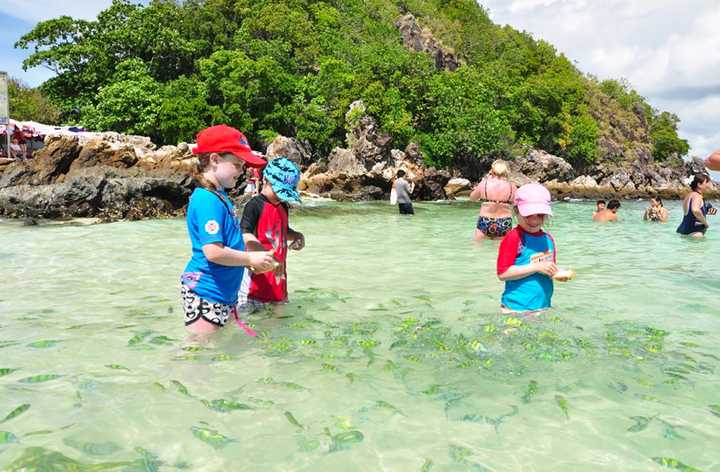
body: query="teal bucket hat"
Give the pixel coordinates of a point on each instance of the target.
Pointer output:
(284, 176)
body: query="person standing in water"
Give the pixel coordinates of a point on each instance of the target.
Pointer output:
(527, 256)
(695, 209)
(403, 190)
(211, 279)
(495, 219)
(656, 211)
(609, 213)
(265, 227)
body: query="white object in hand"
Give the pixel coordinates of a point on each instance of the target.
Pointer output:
(563, 275)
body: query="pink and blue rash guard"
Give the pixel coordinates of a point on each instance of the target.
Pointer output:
(520, 248)
(211, 219)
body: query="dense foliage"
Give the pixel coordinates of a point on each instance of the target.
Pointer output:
(293, 67)
(30, 104)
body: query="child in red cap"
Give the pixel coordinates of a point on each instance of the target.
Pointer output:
(212, 277)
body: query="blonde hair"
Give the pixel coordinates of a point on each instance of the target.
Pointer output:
(499, 168)
(203, 160)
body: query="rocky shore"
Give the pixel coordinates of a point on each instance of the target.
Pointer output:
(111, 176)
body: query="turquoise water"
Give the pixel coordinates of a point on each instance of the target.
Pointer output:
(391, 355)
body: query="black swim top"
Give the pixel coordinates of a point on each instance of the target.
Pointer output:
(690, 224)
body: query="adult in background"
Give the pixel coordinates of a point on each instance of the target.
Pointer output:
(495, 219)
(656, 211)
(696, 209)
(403, 190)
(609, 213)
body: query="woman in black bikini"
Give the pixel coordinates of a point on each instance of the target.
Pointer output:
(495, 219)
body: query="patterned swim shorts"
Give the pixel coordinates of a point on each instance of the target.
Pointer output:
(196, 308)
(494, 227)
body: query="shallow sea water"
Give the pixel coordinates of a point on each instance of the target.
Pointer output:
(391, 355)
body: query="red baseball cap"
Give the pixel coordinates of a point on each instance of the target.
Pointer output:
(223, 138)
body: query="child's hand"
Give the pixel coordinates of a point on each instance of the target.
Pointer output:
(547, 268)
(298, 243)
(712, 211)
(262, 261)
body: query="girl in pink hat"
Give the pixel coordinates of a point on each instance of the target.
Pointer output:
(527, 255)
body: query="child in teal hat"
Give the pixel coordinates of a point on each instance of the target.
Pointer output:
(265, 227)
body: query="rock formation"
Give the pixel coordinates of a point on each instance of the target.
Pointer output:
(419, 39)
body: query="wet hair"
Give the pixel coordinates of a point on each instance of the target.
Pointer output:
(697, 180)
(499, 168)
(401, 173)
(658, 199)
(600, 202)
(613, 204)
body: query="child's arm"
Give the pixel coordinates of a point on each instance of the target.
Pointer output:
(519, 272)
(217, 253)
(506, 268)
(478, 192)
(249, 223)
(297, 238)
(252, 243)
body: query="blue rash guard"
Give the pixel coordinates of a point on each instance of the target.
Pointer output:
(211, 219)
(520, 248)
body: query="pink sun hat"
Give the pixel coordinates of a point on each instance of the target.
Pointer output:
(533, 199)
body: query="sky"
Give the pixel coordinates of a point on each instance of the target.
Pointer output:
(669, 50)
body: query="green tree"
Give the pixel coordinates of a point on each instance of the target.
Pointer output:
(666, 143)
(30, 104)
(131, 102)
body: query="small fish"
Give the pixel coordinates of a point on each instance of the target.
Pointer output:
(116, 367)
(618, 386)
(459, 453)
(7, 344)
(293, 421)
(6, 371)
(307, 445)
(674, 464)
(16, 412)
(671, 433)
(7, 437)
(211, 437)
(223, 358)
(43, 344)
(427, 465)
(641, 422)
(389, 406)
(563, 404)
(345, 440)
(138, 338)
(181, 388)
(194, 349)
(225, 406)
(148, 461)
(530, 391)
(162, 340)
(39, 433)
(92, 448)
(40, 378)
(715, 409)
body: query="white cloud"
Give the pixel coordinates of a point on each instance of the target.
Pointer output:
(668, 50)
